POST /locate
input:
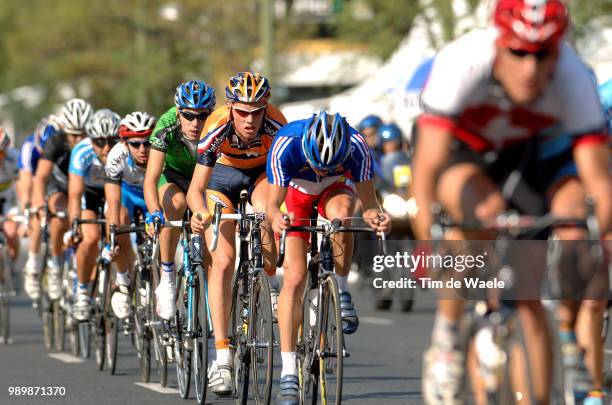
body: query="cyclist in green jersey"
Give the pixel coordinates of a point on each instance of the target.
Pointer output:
(171, 163)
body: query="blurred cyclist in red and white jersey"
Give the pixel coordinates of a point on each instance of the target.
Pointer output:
(489, 94)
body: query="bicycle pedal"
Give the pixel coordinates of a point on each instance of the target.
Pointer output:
(345, 353)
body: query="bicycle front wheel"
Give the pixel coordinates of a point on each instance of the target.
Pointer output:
(142, 338)
(238, 335)
(200, 349)
(330, 344)
(181, 353)
(262, 340)
(5, 318)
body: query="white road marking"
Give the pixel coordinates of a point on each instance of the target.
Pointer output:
(376, 321)
(66, 358)
(157, 388)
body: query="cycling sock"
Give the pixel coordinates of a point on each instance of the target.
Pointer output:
(223, 353)
(34, 256)
(57, 262)
(567, 336)
(167, 271)
(342, 283)
(123, 278)
(83, 288)
(445, 333)
(566, 326)
(289, 363)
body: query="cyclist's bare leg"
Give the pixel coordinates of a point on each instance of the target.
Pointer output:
(34, 234)
(87, 250)
(57, 227)
(12, 238)
(341, 204)
(174, 205)
(585, 317)
(125, 258)
(290, 299)
(220, 275)
(258, 199)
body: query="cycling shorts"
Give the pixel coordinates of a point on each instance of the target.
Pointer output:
(301, 205)
(230, 181)
(172, 177)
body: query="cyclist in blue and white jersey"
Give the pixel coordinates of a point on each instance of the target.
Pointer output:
(86, 196)
(125, 170)
(29, 154)
(317, 160)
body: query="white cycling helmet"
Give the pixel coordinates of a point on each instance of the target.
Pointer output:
(136, 124)
(103, 124)
(75, 115)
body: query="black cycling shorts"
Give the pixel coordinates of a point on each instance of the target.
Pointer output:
(230, 181)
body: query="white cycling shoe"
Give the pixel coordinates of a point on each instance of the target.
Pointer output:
(54, 282)
(220, 379)
(31, 281)
(120, 302)
(81, 308)
(443, 377)
(166, 306)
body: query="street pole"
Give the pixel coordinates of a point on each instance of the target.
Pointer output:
(140, 44)
(267, 38)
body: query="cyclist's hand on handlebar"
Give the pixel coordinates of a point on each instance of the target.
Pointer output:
(379, 221)
(200, 221)
(281, 221)
(150, 221)
(70, 238)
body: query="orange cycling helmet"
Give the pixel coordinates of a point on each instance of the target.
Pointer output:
(247, 87)
(530, 25)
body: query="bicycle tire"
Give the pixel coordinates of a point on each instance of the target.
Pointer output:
(182, 355)
(59, 324)
(99, 316)
(262, 340)
(142, 338)
(73, 335)
(47, 320)
(112, 333)
(237, 335)
(200, 354)
(161, 356)
(5, 314)
(84, 339)
(330, 343)
(307, 375)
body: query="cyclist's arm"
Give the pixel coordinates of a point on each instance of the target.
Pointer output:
(155, 165)
(276, 196)
(367, 195)
(197, 188)
(431, 154)
(43, 171)
(24, 188)
(76, 188)
(112, 193)
(592, 163)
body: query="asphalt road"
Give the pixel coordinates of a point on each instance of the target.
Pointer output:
(384, 366)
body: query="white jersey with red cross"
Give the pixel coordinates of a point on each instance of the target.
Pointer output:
(462, 95)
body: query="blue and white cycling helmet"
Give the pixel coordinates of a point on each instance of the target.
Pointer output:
(371, 121)
(104, 124)
(326, 141)
(389, 132)
(195, 95)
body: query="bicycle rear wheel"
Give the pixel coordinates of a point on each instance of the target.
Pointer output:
(200, 349)
(330, 344)
(262, 340)
(99, 315)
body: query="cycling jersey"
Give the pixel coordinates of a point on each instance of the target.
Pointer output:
(28, 155)
(8, 174)
(57, 150)
(122, 169)
(605, 96)
(85, 163)
(287, 165)
(168, 138)
(462, 96)
(220, 143)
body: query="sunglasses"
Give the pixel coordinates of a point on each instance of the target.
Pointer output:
(138, 144)
(76, 135)
(191, 116)
(100, 143)
(539, 55)
(245, 113)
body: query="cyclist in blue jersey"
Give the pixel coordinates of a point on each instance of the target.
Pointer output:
(318, 160)
(30, 152)
(86, 197)
(125, 171)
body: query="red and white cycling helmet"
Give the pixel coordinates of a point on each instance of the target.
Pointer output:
(136, 124)
(530, 25)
